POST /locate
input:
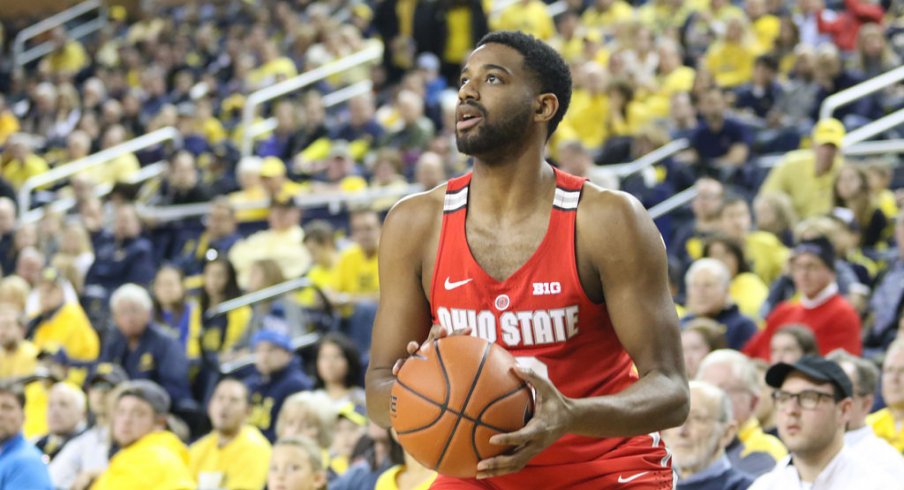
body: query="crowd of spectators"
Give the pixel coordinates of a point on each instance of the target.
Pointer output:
(118, 372)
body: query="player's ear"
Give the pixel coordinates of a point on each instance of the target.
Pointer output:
(545, 107)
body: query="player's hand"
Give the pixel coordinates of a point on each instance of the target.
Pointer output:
(436, 332)
(549, 423)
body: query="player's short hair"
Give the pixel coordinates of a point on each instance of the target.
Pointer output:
(550, 71)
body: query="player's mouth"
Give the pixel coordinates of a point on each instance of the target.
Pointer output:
(468, 122)
(467, 116)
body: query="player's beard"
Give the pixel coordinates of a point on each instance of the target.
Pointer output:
(490, 137)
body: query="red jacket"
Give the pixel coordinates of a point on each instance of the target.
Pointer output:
(835, 325)
(845, 27)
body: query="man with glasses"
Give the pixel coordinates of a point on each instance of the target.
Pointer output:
(813, 405)
(698, 445)
(860, 437)
(888, 423)
(752, 451)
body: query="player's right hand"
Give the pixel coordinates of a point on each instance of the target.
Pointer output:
(436, 332)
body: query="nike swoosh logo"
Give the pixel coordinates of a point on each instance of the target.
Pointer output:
(622, 479)
(452, 285)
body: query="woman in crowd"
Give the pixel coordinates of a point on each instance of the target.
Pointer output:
(311, 415)
(220, 333)
(775, 214)
(338, 370)
(173, 310)
(747, 290)
(851, 191)
(698, 338)
(791, 342)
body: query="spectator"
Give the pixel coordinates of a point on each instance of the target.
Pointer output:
(808, 17)
(89, 452)
(708, 281)
(688, 240)
(747, 290)
(859, 436)
(20, 462)
(233, 456)
(357, 286)
(851, 191)
(61, 323)
(285, 142)
(296, 465)
(415, 130)
(182, 184)
(280, 314)
(731, 58)
(348, 431)
(408, 470)
(806, 176)
(765, 252)
(379, 451)
(752, 451)
(119, 169)
(834, 321)
(149, 456)
(845, 27)
(248, 174)
(429, 171)
(76, 246)
(320, 241)
(274, 181)
(14, 291)
(719, 141)
(528, 16)
(886, 423)
(308, 414)
(873, 55)
(361, 128)
(282, 243)
(8, 252)
(888, 298)
(791, 342)
(833, 78)
(173, 311)
(277, 375)
(219, 235)
(813, 400)
(219, 334)
(879, 176)
(338, 370)
(699, 337)
(775, 214)
(758, 98)
(698, 445)
(121, 257)
(143, 348)
(66, 419)
(18, 163)
(18, 357)
(339, 173)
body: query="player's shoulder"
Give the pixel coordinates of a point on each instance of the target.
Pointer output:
(608, 206)
(414, 218)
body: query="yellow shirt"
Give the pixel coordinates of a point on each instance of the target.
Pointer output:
(270, 72)
(766, 253)
(681, 79)
(356, 274)
(285, 247)
(748, 291)
(9, 124)
(211, 339)
(796, 176)
(320, 276)
(387, 480)
(16, 172)
(70, 329)
(70, 59)
(617, 13)
(731, 64)
(584, 119)
(458, 25)
(662, 16)
(35, 410)
(254, 194)
(242, 463)
(116, 170)
(883, 424)
(20, 362)
(887, 203)
(756, 441)
(158, 460)
(766, 29)
(531, 18)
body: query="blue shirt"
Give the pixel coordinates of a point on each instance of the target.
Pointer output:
(21, 466)
(719, 476)
(119, 262)
(157, 357)
(738, 328)
(711, 144)
(269, 392)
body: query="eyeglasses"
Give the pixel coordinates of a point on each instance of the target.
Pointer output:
(808, 400)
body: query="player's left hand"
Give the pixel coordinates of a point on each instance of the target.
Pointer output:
(550, 422)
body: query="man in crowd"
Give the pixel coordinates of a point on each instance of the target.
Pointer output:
(143, 349)
(149, 456)
(277, 375)
(281, 242)
(707, 282)
(18, 357)
(813, 404)
(62, 323)
(21, 465)
(834, 322)
(687, 241)
(887, 301)
(357, 285)
(888, 423)
(752, 451)
(860, 437)
(66, 418)
(698, 445)
(234, 456)
(220, 234)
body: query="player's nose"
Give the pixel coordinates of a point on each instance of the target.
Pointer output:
(468, 91)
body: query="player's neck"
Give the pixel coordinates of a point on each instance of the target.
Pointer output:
(506, 188)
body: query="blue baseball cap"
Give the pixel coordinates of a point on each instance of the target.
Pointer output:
(276, 338)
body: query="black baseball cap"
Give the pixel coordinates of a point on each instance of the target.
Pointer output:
(815, 367)
(821, 247)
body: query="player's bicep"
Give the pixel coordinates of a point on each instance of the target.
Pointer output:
(404, 313)
(634, 272)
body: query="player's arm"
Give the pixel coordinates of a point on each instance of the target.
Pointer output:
(403, 314)
(629, 254)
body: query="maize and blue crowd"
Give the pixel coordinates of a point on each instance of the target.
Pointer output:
(118, 371)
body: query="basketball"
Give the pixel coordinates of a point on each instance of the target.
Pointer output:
(451, 397)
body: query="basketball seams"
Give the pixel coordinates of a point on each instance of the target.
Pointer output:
(479, 422)
(486, 352)
(444, 409)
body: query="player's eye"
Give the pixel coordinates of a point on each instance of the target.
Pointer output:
(493, 79)
(462, 81)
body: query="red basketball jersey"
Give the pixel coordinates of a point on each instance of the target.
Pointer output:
(540, 314)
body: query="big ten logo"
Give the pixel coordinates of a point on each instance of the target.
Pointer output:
(547, 288)
(393, 405)
(261, 411)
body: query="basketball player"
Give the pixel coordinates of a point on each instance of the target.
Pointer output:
(568, 277)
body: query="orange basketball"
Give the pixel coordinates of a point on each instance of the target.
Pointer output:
(451, 397)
